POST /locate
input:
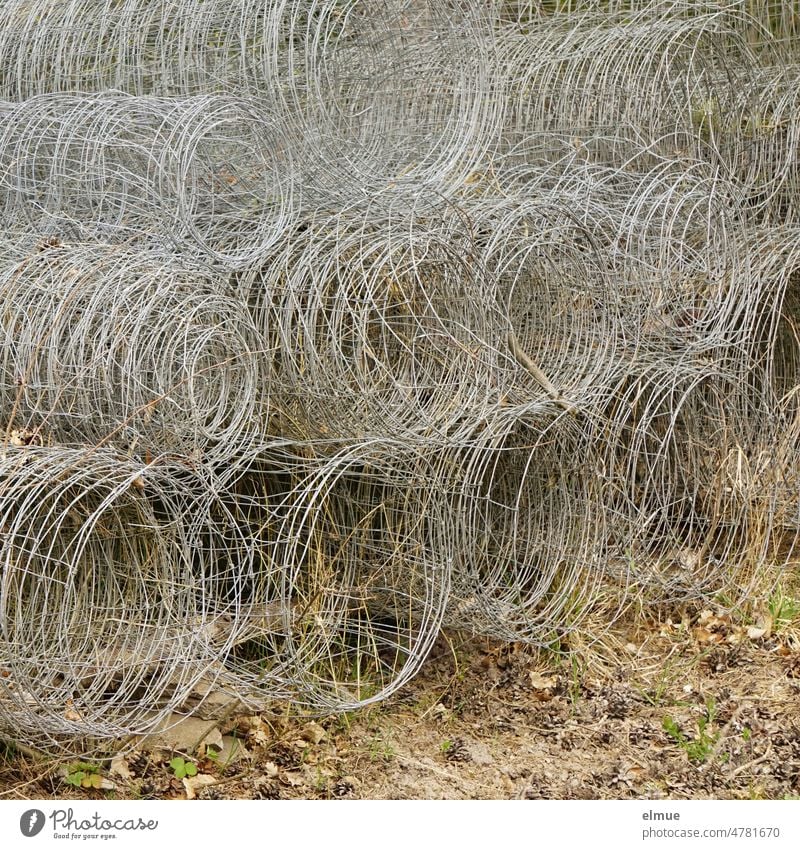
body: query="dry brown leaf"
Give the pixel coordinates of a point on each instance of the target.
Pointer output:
(293, 779)
(21, 438)
(313, 732)
(194, 784)
(542, 682)
(70, 713)
(702, 635)
(765, 622)
(119, 766)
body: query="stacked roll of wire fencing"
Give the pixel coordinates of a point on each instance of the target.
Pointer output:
(330, 324)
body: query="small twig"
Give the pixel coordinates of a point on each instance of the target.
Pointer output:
(539, 376)
(749, 764)
(723, 735)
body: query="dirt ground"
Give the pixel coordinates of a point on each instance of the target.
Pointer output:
(685, 707)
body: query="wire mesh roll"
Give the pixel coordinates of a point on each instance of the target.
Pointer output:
(364, 541)
(328, 323)
(626, 79)
(536, 547)
(392, 90)
(771, 21)
(111, 345)
(553, 283)
(209, 175)
(409, 105)
(689, 535)
(764, 139)
(765, 475)
(377, 332)
(693, 422)
(111, 609)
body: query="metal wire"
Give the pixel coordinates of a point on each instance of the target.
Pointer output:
(207, 175)
(110, 606)
(110, 345)
(328, 324)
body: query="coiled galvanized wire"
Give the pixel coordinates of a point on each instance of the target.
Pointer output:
(208, 175)
(112, 345)
(327, 324)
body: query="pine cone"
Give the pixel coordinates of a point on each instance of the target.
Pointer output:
(342, 788)
(457, 752)
(284, 755)
(266, 788)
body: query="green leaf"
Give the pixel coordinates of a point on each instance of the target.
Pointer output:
(75, 778)
(671, 727)
(182, 768)
(92, 780)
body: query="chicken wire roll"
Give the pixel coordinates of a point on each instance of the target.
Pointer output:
(164, 47)
(365, 537)
(554, 285)
(638, 265)
(645, 215)
(683, 284)
(161, 48)
(378, 331)
(625, 78)
(114, 345)
(207, 176)
(408, 108)
(678, 441)
(763, 470)
(111, 594)
(694, 412)
(367, 73)
(773, 273)
(762, 143)
(533, 531)
(766, 23)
